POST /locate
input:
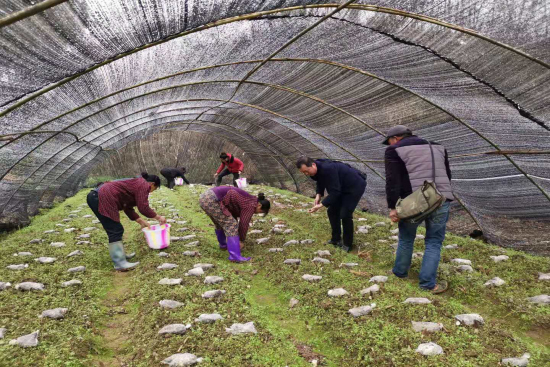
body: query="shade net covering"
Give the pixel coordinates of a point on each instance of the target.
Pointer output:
(280, 79)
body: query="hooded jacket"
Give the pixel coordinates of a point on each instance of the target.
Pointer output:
(234, 165)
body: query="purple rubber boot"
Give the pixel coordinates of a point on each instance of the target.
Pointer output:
(221, 239)
(234, 247)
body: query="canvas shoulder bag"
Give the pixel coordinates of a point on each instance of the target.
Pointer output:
(423, 201)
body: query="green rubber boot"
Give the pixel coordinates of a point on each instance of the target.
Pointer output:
(116, 250)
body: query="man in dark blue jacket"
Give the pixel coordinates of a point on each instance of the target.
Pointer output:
(345, 186)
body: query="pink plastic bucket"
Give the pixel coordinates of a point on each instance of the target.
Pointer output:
(158, 237)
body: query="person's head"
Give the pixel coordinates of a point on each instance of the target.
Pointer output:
(263, 204)
(153, 180)
(224, 157)
(396, 134)
(307, 166)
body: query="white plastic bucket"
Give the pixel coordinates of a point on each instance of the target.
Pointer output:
(179, 181)
(158, 237)
(241, 183)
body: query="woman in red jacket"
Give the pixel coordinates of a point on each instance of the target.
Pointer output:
(232, 165)
(111, 197)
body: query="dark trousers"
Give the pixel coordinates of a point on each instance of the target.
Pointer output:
(224, 173)
(114, 230)
(171, 180)
(340, 215)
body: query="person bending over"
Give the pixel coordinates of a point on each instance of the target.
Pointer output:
(345, 186)
(224, 205)
(230, 165)
(171, 173)
(109, 198)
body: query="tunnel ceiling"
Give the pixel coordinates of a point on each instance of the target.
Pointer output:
(280, 79)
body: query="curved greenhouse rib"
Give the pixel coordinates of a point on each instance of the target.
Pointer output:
(29, 12)
(117, 127)
(183, 123)
(372, 8)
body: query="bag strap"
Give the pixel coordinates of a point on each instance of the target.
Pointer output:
(433, 161)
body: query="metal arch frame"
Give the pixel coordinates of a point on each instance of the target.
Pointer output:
(256, 15)
(163, 126)
(223, 102)
(70, 145)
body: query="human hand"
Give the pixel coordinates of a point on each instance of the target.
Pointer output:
(317, 199)
(143, 223)
(161, 219)
(315, 208)
(393, 216)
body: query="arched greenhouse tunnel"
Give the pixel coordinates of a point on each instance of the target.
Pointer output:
(86, 82)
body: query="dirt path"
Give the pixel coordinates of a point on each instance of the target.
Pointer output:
(114, 332)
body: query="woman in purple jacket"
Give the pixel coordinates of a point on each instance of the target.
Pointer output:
(224, 204)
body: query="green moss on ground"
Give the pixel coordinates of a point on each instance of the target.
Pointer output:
(115, 319)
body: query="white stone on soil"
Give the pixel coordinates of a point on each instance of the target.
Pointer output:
(290, 243)
(4, 285)
(36, 240)
(189, 253)
(495, 282)
(362, 311)
(77, 269)
(277, 230)
(417, 255)
(262, 240)
(293, 303)
(237, 329)
(87, 216)
(543, 276)
(417, 300)
(469, 319)
(29, 286)
(170, 281)
(17, 266)
(255, 231)
(56, 313)
(499, 258)
(196, 272)
(288, 231)
(45, 260)
(429, 349)
(465, 268)
(182, 359)
(337, 292)
(380, 224)
(83, 243)
(188, 237)
(89, 229)
(178, 329)
(371, 290)
(87, 235)
(349, 265)
(312, 278)
(451, 247)
(379, 279)
(307, 242)
(2, 332)
(321, 260)
(212, 279)
(167, 266)
(461, 261)
(213, 294)
(95, 221)
(517, 361)
(26, 341)
(542, 299)
(71, 283)
(58, 244)
(275, 249)
(168, 303)
(323, 253)
(292, 261)
(420, 237)
(75, 253)
(204, 266)
(430, 327)
(394, 231)
(23, 254)
(51, 231)
(192, 244)
(209, 318)
(69, 230)
(165, 254)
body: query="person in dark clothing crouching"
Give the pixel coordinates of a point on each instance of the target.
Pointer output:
(171, 173)
(345, 186)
